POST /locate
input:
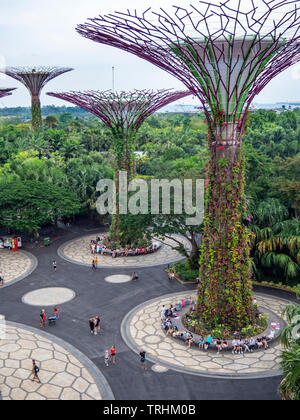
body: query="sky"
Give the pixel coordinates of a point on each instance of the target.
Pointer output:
(42, 32)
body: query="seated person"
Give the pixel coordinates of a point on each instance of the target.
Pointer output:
(240, 346)
(178, 306)
(219, 345)
(272, 334)
(246, 346)
(201, 342)
(234, 346)
(252, 344)
(265, 341)
(190, 340)
(208, 342)
(126, 252)
(259, 342)
(224, 344)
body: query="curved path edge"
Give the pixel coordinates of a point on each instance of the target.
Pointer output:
(125, 327)
(61, 254)
(34, 264)
(99, 378)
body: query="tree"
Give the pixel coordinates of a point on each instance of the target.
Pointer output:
(28, 205)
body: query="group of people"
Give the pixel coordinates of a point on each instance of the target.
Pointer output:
(94, 325)
(51, 318)
(239, 346)
(97, 247)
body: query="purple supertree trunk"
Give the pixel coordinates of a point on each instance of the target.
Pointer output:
(225, 53)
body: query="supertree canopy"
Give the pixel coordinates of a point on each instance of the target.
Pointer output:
(35, 79)
(123, 113)
(225, 54)
(6, 92)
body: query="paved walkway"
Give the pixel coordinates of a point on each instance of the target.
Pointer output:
(142, 329)
(95, 296)
(64, 372)
(15, 266)
(78, 251)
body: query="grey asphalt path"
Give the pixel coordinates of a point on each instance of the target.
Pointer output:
(112, 302)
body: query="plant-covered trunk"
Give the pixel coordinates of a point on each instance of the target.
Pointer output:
(123, 163)
(36, 113)
(225, 290)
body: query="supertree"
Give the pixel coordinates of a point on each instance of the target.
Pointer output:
(123, 113)
(35, 79)
(226, 54)
(6, 92)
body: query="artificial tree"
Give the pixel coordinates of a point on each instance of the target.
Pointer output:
(35, 79)
(225, 54)
(6, 92)
(123, 113)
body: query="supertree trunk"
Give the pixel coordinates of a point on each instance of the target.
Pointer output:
(124, 162)
(225, 289)
(36, 113)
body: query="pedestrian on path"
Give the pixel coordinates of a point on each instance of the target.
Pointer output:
(93, 265)
(92, 325)
(143, 360)
(106, 357)
(134, 276)
(97, 325)
(35, 371)
(113, 354)
(43, 318)
(54, 265)
(55, 312)
(96, 263)
(1, 279)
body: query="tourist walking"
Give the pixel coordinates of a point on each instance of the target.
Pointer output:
(97, 325)
(1, 279)
(42, 318)
(113, 354)
(106, 357)
(143, 360)
(96, 262)
(92, 325)
(55, 312)
(134, 276)
(35, 372)
(93, 265)
(54, 265)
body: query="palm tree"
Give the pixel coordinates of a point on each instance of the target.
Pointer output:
(289, 387)
(290, 334)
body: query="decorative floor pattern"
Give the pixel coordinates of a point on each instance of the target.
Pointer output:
(16, 265)
(141, 328)
(78, 251)
(63, 375)
(49, 296)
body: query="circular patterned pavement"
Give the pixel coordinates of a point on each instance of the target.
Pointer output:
(49, 296)
(118, 278)
(78, 251)
(15, 266)
(141, 328)
(65, 373)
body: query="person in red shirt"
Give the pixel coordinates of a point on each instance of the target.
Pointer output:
(113, 354)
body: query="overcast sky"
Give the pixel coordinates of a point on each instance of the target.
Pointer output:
(42, 32)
